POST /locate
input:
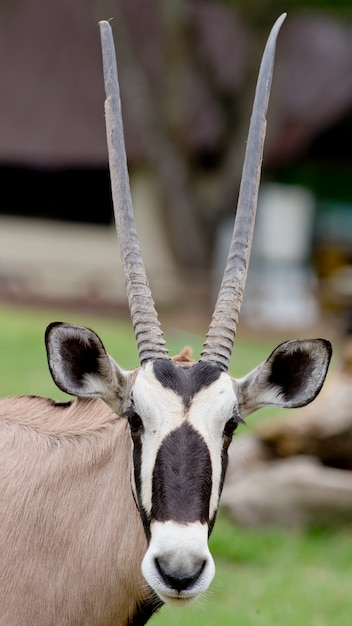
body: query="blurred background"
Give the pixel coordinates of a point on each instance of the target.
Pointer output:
(187, 70)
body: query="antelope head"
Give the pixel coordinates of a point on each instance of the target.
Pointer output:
(182, 415)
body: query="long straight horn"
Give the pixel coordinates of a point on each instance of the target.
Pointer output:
(222, 331)
(149, 337)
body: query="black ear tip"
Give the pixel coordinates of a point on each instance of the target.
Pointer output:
(50, 327)
(328, 346)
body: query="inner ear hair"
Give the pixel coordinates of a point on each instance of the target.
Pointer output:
(291, 377)
(298, 367)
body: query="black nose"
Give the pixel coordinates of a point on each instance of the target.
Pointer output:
(179, 580)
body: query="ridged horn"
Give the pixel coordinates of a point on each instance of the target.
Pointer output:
(149, 337)
(222, 331)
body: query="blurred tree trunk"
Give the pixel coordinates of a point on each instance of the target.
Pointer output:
(199, 188)
(156, 119)
(159, 112)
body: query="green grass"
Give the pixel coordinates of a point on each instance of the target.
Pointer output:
(23, 367)
(272, 577)
(264, 577)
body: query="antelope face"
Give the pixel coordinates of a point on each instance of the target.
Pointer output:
(181, 421)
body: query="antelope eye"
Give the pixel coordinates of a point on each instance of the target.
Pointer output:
(230, 427)
(135, 422)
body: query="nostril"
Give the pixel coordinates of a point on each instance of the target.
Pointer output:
(176, 579)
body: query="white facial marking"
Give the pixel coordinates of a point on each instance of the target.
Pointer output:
(211, 408)
(161, 411)
(178, 552)
(178, 564)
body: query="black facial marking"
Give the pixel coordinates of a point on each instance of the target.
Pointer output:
(134, 421)
(224, 463)
(182, 479)
(290, 372)
(137, 470)
(185, 381)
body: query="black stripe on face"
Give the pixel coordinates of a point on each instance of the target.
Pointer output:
(137, 470)
(185, 381)
(182, 479)
(224, 464)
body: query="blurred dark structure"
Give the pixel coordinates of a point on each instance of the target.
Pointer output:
(187, 71)
(295, 472)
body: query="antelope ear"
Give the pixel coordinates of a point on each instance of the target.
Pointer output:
(291, 377)
(80, 365)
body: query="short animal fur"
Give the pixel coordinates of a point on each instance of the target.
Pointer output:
(107, 502)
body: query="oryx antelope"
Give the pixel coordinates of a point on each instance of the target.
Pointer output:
(107, 502)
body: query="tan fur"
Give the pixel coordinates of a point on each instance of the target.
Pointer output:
(71, 539)
(185, 357)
